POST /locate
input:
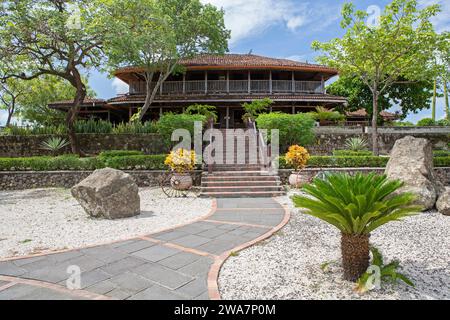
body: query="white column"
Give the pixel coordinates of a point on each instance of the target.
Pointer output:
(227, 118)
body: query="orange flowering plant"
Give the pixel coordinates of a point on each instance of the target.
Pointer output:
(297, 156)
(181, 160)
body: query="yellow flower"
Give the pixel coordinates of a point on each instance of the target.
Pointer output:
(181, 160)
(297, 156)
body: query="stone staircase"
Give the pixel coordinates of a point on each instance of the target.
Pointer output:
(235, 180)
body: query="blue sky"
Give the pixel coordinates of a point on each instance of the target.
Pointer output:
(282, 29)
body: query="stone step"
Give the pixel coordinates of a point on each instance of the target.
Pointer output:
(242, 183)
(240, 173)
(237, 167)
(212, 178)
(239, 194)
(253, 188)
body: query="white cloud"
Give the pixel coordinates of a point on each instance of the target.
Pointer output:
(3, 117)
(119, 86)
(441, 21)
(247, 18)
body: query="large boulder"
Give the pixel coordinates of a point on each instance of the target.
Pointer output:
(108, 193)
(443, 203)
(411, 161)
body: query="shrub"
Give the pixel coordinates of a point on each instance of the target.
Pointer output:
(255, 108)
(66, 162)
(170, 122)
(93, 126)
(323, 114)
(441, 153)
(210, 112)
(54, 144)
(120, 153)
(293, 128)
(426, 122)
(297, 157)
(140, 162)
(443, 122)
(441, 161)
(351, 153)
(356, 205)
(181, 160)
(356, 144)
(135, 127)
(402, 124)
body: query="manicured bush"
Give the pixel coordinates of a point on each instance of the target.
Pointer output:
(140, 162)
(170, 122)
(120, 153)
(441, 161)
(66, 162)
(443, 122)
(293, 128)
(93, 126)
(426, 122)
(350, 153)
(135, 128)
(441, 153)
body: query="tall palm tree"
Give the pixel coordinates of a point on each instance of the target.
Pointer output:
(356, 205)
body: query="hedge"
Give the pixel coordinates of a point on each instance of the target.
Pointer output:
(441, 153)
(351, 153)
(156, 162)
(120, 153)
(355, 162)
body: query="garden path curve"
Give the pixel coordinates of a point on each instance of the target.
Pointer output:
(179, 263)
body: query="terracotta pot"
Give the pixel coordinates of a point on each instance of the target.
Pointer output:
(181, 181)
(296, 180)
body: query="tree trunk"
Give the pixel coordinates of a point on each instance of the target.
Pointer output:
(355, 255)
(447, 107)
(433, 103)
(73, 112)
(10, 115)
(375, 124)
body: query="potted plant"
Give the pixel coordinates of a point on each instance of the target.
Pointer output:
(181, 161)
(297, 157)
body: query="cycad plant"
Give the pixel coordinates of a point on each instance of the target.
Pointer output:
(356, 144)
(356, 205)
(54, 144)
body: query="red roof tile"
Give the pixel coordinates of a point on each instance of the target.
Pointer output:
(87, 101)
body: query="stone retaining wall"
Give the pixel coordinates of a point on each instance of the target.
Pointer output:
(19, 180)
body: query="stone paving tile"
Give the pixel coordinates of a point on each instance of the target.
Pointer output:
(64, 256)
(135, 245)
(47, 262)
(179, 260)
(130, 282)
(197, 268)
(53, 274)
(156, 253)
(26, 292)
(123, 265)
(191, 241)
(86, 263)
(102, 287)
(194, 288)
(203, 296)
(212, 233)
(105, 253)
(10, 269)
(216, 246)
(162, 275)
(228, 227)
(169, 235)
(120, 294)
(92, 277)
(157, 293)
(22, 262)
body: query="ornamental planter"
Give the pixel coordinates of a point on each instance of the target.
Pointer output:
(181, 181)
(296, 180)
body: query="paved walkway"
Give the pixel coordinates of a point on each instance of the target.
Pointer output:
(181, 263)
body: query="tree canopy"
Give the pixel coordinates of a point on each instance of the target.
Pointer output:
(156, 35)
(401, 44)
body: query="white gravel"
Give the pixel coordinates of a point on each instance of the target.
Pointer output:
(39, 220)
(288, 265)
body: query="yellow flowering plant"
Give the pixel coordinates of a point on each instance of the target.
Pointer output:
(297, 156)
(181, 160)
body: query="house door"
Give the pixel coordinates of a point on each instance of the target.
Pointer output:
(237, 118)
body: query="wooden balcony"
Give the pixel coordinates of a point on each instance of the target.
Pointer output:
(233, 87)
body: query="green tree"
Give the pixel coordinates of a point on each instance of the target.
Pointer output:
(156, 35)
(401, 45)
(11, 91)
(42, 91)
(410, 96)
(49, 37)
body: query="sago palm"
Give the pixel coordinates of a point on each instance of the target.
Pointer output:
(356, 205)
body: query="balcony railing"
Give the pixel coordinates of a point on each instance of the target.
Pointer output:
(232, 86)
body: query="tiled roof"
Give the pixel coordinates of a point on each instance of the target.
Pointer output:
(187, 98)
(241, 61)
(87, 101)
(363, 113)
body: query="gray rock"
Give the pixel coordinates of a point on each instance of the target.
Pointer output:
(412, 162)
(443, 203)
(108, 193)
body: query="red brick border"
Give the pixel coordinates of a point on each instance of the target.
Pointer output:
(213, 275)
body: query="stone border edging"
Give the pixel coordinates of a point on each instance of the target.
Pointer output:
(213, 274)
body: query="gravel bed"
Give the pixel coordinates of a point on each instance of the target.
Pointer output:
(40, 220)
(288, 265)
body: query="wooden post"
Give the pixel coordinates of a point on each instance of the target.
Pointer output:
(160, 111)
(130, 113)
(249, 83)
(227, 118)
(270, 81)
(293, 109)
(228, 83)
(184, 83)
(293, 82)
(206, 82)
